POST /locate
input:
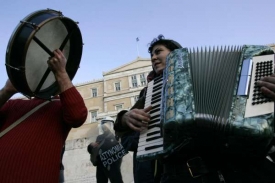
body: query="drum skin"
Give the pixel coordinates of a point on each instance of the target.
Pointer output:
(20, 56)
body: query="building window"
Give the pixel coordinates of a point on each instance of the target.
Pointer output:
(94, 92)
(93, 115)
(118, 107)
(142, 79)
(134, 81)
(117, 86)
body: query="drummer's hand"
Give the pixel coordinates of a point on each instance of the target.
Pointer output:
(9, 88)
(57, 63)
(137, 119)
(58, 66)
(268, 86)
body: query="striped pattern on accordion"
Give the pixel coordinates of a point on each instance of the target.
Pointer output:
(206, 99)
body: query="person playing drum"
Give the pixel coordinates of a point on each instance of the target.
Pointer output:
(30, 152)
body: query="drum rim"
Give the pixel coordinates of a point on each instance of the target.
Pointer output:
(16, 34)
(20, 24)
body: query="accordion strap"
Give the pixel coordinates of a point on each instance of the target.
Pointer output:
(17, 122)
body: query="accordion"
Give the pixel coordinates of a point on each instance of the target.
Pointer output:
(209, 96)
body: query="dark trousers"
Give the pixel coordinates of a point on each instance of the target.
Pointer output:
(143, 171)
(112, 172)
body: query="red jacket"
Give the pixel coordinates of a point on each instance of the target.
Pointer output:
(30, 152)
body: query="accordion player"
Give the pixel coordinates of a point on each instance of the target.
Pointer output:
(209, 96)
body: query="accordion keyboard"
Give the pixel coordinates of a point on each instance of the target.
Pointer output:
(151, 140)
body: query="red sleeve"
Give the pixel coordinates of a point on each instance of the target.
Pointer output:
(73, 107)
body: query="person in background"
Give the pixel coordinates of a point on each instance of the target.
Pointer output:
(108, 164)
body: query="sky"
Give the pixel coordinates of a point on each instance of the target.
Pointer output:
(109, 28)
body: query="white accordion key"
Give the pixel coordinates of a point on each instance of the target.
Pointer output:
(150, 148)
(142, 143)
(150, 133)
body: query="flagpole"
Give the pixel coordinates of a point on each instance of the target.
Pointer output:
(137, 39)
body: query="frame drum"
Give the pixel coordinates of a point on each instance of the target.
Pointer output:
(30, 46)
